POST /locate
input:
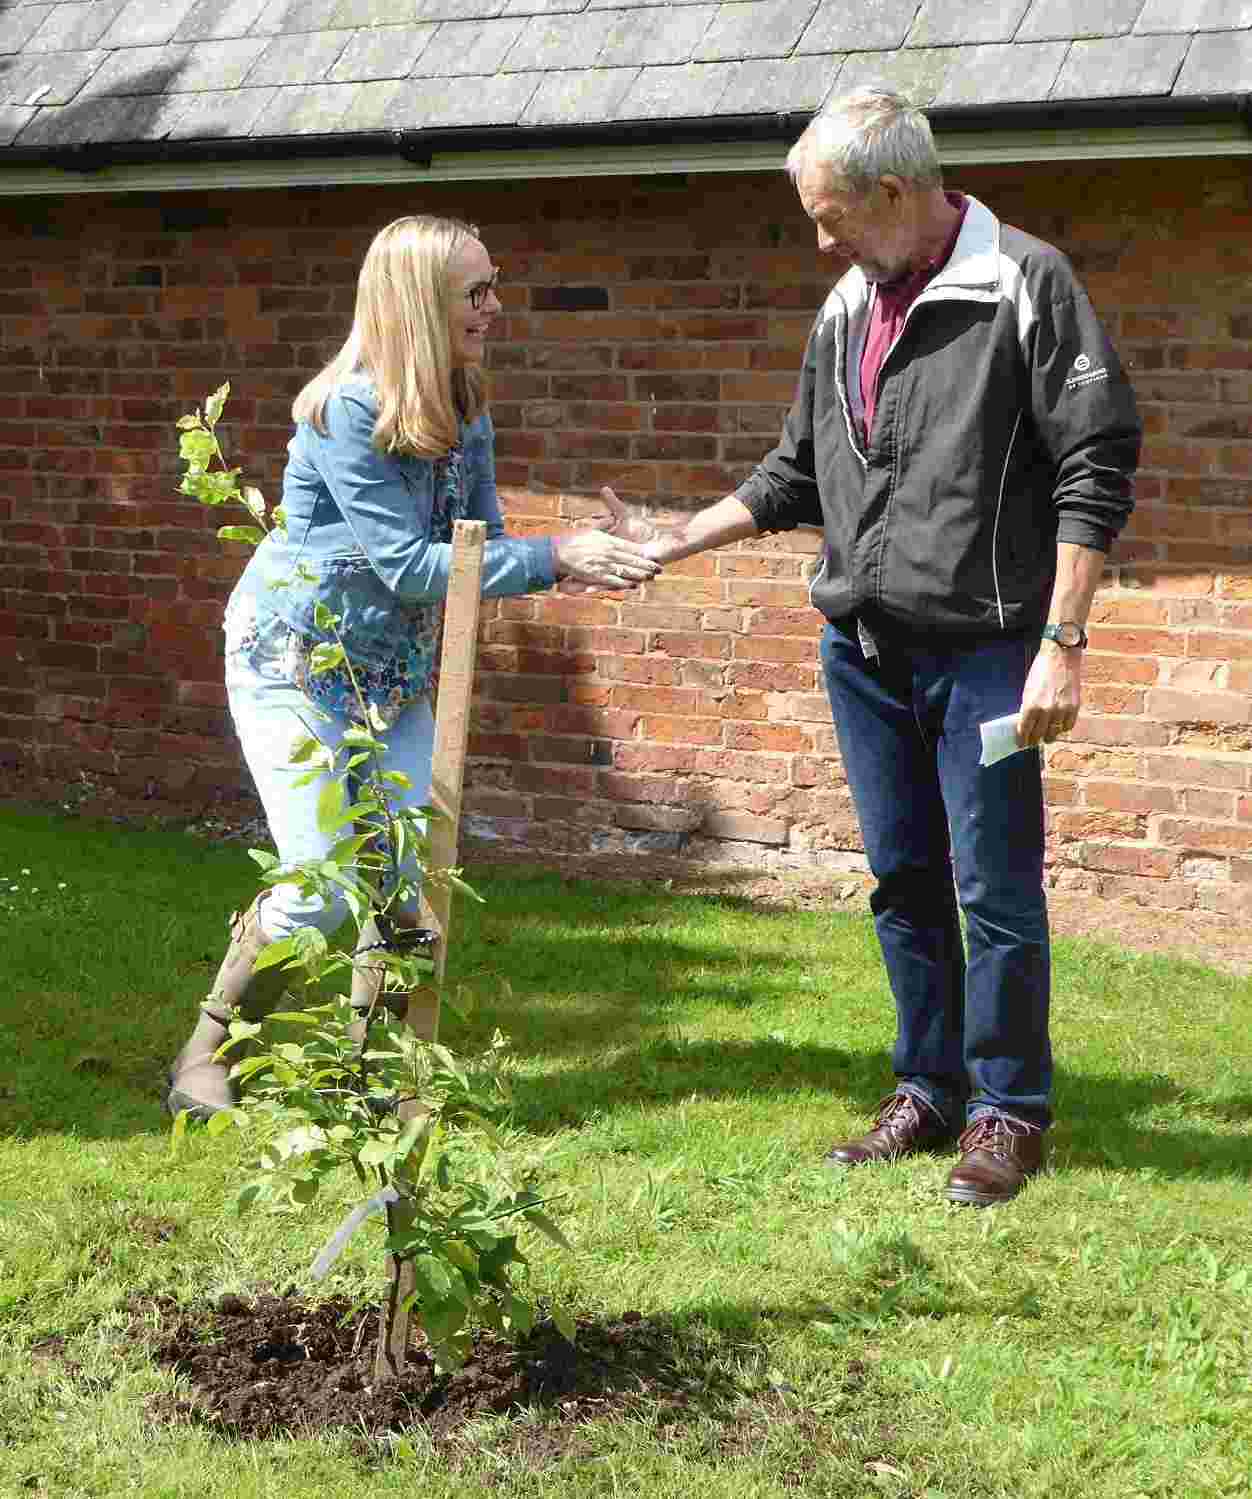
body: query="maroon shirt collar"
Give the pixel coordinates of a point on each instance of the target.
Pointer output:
(904, 291)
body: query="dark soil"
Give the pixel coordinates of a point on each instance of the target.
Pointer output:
(276, 1364)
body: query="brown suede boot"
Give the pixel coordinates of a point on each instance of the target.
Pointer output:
(420, 1007)
(197, 1084)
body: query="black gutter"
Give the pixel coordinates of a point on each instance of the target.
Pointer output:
(420, 146)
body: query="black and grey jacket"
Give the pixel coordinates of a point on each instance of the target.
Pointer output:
(1004, 424)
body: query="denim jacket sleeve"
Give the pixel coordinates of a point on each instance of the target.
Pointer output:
(387, 501)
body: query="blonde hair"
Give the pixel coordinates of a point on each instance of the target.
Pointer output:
(400, 341)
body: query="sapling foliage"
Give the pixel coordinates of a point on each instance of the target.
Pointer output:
(413, 1122)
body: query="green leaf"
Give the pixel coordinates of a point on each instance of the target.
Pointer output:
(304, 1190)
(264, 858)
(330, 806)
(356, 735)
(255, 501)
(395, 778)
(564, 1323)
(178, 1134)
(323, 618)
(197, 448)
(520, 1312)
(190, 422)
(213, 406)
(281, 951)
(250, 534)
(302, 749)
(250, 1194)
(377, 1152)
(324, 658)
(432, 1279)
(219, 1123)
(545, 1225)
(458, 883)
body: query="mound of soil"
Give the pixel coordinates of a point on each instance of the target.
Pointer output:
(278, 1364)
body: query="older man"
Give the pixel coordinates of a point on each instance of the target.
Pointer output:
(966, 438)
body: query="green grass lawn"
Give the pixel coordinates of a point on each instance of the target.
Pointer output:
(683, 1062)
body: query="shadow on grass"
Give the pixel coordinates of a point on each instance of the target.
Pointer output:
(1101, 1122)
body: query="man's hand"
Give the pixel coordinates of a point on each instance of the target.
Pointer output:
(1052, 696)
(630, 522)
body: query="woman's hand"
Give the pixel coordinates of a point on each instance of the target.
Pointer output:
(601, 560)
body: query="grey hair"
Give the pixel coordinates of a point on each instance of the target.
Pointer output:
(866, 135)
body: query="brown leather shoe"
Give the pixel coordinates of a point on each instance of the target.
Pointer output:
(998, 1156)
(903, 1126)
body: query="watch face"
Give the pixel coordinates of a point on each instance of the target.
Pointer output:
(1065, 634)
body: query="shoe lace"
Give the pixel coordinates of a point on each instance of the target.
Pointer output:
(987, 1131)
(898, 1108)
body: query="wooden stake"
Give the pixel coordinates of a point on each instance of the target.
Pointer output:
(452, 714)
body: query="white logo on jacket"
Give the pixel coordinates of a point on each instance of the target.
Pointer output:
(1082, 373)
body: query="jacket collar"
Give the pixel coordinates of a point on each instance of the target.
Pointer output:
(973, 268)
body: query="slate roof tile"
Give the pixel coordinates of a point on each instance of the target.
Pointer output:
(1062, 20)
(283, 16)
(1003, 72)
(556, 42)
(457, 103)
(465, 47)
(580, 98)
(213, 20)
(50, 78)
(660, 34)
(1118, 66)
(13, 119)
(144, 23)
(222, 115)
(18, 26)
(1194, 15)
(872, 25)
(383, 52)
(313, 109)
(374, 13)
(920, 73)
(310, 62)
(73, 28)
(196, 68)
(755, 28)
(696, 88)
(458, 10)
(949, 22)
(1217, 64)
(371, 106)
(778, 85)
(542, 7)
(103, 121)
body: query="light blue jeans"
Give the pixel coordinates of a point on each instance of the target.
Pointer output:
(271, 715)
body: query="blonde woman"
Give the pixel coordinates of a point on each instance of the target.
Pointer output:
(393, 443)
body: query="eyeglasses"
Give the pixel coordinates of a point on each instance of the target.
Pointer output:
(477, 294)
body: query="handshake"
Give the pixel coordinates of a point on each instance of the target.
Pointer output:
(626, 549)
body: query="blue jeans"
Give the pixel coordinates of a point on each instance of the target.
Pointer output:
(973, 1029)
(270, 715)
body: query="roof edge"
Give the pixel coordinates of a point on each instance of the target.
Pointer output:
(1091, 129)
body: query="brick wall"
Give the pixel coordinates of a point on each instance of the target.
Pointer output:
(652, 332)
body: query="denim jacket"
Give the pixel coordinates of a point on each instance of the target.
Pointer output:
(368, 534)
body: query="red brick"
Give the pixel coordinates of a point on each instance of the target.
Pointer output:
(668, 729)
(1204, 837)
(1205, 707)
(1129, 858)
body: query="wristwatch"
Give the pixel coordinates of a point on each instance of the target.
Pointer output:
(1067, 634)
